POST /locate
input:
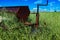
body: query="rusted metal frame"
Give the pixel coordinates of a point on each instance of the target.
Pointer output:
(37, 14)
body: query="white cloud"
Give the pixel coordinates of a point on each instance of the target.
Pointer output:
(25, 0)
(51, 6)
(58, 10)
(34, 10)
(45, 9)
(51, 10)
(0, 5)
(58, 0)
(38, 1)
(40, 10)
(51, 3)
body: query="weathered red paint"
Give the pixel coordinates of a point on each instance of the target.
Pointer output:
(22, 12)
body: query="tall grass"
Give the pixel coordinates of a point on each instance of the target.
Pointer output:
(18, 31)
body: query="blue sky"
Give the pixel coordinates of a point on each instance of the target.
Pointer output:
(52, 4)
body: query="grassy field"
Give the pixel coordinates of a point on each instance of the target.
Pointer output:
(50, 31)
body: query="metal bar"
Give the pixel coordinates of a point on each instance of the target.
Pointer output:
(43, 4)
(37, 14)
